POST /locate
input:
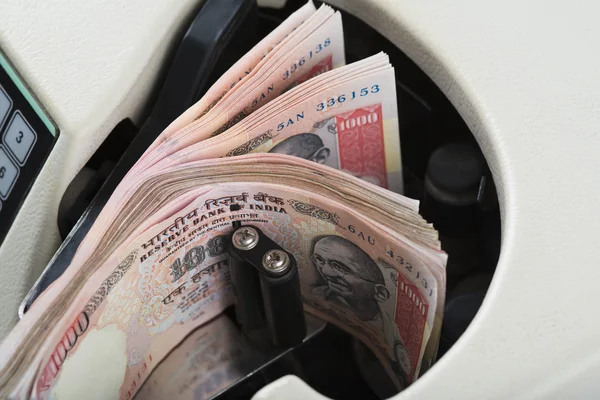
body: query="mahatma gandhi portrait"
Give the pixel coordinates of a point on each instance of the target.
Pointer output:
(352, 278)
(354, 281)
(304, 145)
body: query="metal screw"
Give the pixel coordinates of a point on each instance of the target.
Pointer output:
(276, 261)
(245, 238)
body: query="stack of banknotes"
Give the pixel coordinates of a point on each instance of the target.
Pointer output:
(307, 149)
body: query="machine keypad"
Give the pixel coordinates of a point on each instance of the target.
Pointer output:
(27, 135)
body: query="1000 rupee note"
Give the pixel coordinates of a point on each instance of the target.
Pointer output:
(175, 277)
(322, 47)
(350, 125)
(396, 210)
(150, 203)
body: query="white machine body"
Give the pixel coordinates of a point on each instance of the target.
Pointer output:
(524, 77)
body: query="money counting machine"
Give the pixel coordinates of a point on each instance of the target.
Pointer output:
(505, 93)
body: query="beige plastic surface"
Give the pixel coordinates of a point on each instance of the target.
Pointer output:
(91, 63)
(525, 76)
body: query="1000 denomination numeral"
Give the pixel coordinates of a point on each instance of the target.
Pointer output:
(196, 256)
(354, 122)
(342, 98)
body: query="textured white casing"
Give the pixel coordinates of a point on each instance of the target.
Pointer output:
(91, 64)
(523, 75)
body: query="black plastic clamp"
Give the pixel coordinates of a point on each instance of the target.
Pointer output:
(267, 285)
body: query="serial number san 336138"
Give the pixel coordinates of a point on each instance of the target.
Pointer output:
(298, 64)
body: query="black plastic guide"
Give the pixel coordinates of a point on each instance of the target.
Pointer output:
(267, 285)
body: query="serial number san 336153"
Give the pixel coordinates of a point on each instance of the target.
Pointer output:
(339, 99)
